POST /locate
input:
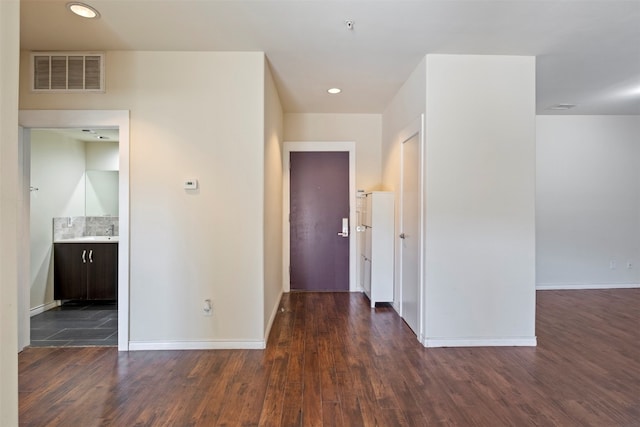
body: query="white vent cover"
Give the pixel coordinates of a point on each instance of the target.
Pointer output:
(67, 72)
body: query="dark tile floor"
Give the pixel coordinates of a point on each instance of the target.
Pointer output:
(76, 324)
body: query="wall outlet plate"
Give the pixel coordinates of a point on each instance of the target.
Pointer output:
(207, 308)
(191, 184)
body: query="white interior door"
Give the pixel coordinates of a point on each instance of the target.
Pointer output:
(410, 232)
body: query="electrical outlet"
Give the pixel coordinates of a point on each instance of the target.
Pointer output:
(207, 308)
(629, 265)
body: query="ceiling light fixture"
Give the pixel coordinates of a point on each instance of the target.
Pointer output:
(83, 10)
(334, 90)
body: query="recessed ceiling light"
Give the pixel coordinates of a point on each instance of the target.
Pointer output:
(334, 90)
(83, 10)
(562, 107)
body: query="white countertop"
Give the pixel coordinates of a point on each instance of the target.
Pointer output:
(90, 239)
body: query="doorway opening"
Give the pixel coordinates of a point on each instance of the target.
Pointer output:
(93, 207)
(74, 227)
(347, 224)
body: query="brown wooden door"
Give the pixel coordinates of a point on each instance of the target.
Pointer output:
(319, 188)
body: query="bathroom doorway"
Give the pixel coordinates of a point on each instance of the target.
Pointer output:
(89, 209)
(74, 227)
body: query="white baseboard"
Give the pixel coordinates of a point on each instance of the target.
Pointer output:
(577, 286)
(480, 342)
(267, 330)
(42, 308)
(396, 307)
(196, 345)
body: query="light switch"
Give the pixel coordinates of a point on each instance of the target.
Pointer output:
(191, 184)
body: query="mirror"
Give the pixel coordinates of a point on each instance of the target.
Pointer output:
(101, 193)
(76, 173)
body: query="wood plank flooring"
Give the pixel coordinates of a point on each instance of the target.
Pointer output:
(332, 361)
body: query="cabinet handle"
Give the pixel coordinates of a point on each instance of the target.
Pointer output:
(91, 255)
(84, 256)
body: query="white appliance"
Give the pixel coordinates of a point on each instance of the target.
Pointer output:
(376, 246)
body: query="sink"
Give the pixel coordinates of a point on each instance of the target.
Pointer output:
(90, 239)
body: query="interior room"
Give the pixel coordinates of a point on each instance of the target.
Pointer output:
(482, 266)
(74, 186)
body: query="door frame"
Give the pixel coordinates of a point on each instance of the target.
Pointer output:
(33, 119)
(416, 127)
(293, 146)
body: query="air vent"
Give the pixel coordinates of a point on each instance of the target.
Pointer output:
(67, 72)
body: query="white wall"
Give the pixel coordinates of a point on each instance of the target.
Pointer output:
(363, 129)
(102, 155)
(273, 136)
(204, 121)
(57, 170)
(479, 191)
(588, 201)
(405, 107)
(9, 206)
(480, 200)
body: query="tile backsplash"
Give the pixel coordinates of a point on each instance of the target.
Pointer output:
(69, 227)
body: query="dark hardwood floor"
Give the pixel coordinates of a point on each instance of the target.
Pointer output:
(332, 361)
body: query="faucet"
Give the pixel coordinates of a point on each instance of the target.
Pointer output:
(111, 230)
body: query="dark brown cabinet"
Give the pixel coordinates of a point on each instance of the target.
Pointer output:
(85, 271)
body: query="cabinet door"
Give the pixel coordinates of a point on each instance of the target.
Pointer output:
(368, 235)
(69, 271)
(367, 276)
(367, 209)
(102, 283)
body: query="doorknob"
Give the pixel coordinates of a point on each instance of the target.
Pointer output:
(402, 236)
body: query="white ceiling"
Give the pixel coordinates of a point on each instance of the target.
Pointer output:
(87, 134)
(588, 52)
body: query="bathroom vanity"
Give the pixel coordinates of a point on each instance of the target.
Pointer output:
(85, 268)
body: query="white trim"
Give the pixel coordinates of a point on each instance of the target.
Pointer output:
(276, 307)
(42, 308)
(196, 345)
(293, 146)
(24, 241)
(578, 286)
(416, 127)
(106, 119)
(481, 342)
